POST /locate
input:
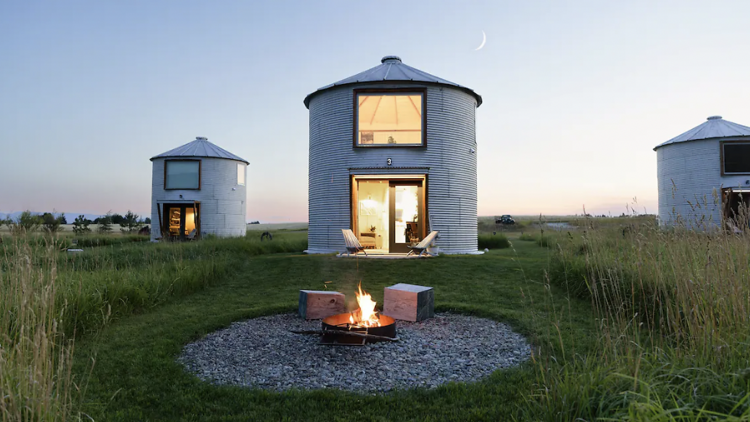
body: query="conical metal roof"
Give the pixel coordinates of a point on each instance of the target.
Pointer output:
(200, 147)
(713, 127)
(392, 69)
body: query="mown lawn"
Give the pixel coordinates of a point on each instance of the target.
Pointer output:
(135, 376)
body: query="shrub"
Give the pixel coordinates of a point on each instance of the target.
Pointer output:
(28, 221)
(51, 224)
(81, 225)
(105, 224)
(130, 223)
(493, 241)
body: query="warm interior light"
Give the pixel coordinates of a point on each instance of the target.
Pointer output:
(390, 119)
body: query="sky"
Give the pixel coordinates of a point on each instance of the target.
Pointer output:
(576, 94)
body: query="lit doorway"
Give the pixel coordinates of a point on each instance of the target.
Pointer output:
(388, 214)
(181, 221)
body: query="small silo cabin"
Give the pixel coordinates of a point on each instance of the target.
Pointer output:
(704, 174)
(198, 189)
(393, 157)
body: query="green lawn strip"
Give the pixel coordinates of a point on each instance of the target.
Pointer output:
(136, 376)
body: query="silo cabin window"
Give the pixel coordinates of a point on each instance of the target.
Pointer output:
(735, 157)
(241, 174)
(182, 174)
(389, 118)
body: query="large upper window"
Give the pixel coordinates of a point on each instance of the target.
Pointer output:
(736, 158)
(182, 174)
(389, 119)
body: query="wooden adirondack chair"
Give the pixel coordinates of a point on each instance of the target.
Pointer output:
(352, 243)
(422, 246)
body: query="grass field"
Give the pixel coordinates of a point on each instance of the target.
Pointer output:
(627, 322)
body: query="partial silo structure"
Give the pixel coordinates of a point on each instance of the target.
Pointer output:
(703, 174)
(198, 189)
(393, 156)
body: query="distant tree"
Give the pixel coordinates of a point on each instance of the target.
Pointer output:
(147, 220)
(81, 225)
(105, 223)
(51, 224)
(63, 220)
(117, 218)
(130, 223)
(28, 221)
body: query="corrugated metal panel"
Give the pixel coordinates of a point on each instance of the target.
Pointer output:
(200, 147)
(713, 127)
(447, 159)
(392, 69)
(223, 201)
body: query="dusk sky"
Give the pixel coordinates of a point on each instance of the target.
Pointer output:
(576, 94)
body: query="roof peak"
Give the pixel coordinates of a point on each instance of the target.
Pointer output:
(200, 147)
(386, 72)
(714, 127)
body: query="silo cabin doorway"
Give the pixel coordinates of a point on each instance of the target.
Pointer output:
(180, 221)
(388, 214)
(735, 204)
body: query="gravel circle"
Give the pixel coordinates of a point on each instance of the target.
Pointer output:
(262, 353)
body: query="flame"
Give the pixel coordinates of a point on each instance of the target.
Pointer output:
(365, 316)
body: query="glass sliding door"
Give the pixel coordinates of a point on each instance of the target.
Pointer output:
(388, 213)
(406, 219)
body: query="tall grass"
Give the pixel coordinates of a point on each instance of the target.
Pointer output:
(672, 307)
(47, 297)
(35, 356)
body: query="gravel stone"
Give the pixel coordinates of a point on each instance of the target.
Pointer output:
(262, 353)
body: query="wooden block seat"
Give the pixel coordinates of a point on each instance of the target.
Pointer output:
(319, 304)
(409, 302)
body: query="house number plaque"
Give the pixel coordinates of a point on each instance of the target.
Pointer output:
(389, 161)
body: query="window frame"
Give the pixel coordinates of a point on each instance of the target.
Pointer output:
(243, 166)
(722, 162)
(200, 173)
(355, 114)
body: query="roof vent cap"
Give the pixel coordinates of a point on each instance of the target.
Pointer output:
(390, 59)
(201, 138)
(714, 118)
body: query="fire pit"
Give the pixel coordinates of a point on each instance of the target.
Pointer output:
(362, 326)
(338, 329)
(356, 328)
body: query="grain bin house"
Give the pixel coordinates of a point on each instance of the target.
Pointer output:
(393, 157)
(198, 189)
(703, 175)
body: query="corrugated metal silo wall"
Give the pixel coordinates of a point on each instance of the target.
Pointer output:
(688, 174)
(222, 210)
(447, 160)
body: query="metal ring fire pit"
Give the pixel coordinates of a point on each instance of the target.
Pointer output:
(335, 327)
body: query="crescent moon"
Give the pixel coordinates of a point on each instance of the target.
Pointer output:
(484, 40)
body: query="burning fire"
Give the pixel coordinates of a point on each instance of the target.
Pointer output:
(365, 316)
